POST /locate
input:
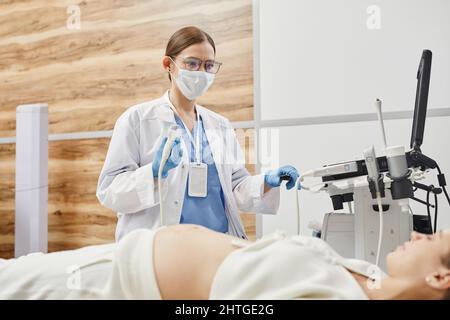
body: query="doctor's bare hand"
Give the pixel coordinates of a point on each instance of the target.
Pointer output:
(174, 159)
(273, 178)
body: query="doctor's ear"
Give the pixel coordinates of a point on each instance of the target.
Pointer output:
(166, 63)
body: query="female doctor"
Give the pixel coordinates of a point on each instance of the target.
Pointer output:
(206, 152)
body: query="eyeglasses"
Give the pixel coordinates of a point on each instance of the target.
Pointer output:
(194, 64)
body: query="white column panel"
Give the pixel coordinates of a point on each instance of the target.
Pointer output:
(31, 214)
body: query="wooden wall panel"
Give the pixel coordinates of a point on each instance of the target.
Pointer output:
(7, 181)
(88, 77)
(76, 218)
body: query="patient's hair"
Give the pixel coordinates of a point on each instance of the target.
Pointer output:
(446, 263)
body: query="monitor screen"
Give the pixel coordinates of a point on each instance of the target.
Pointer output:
(420, 108)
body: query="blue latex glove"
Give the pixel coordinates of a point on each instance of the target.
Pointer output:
(273, 177)
(174, 159)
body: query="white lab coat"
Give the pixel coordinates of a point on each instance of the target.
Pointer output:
(126, 184)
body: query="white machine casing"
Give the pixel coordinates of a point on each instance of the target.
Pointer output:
(355, 235)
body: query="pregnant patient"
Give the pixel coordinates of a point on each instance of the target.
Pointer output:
(192, 262)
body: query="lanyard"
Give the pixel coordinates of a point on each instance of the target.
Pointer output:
(197, 140)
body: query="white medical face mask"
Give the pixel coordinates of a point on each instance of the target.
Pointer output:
(193, 84)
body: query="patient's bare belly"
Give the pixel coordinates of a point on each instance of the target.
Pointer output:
(186, 258)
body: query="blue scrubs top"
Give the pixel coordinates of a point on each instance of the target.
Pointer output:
(209, 211)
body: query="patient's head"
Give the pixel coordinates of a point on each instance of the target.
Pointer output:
(425, 259)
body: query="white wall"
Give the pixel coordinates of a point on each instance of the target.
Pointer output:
(318, 57)
(322, 61)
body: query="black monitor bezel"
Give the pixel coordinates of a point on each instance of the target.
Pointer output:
(421, 103)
